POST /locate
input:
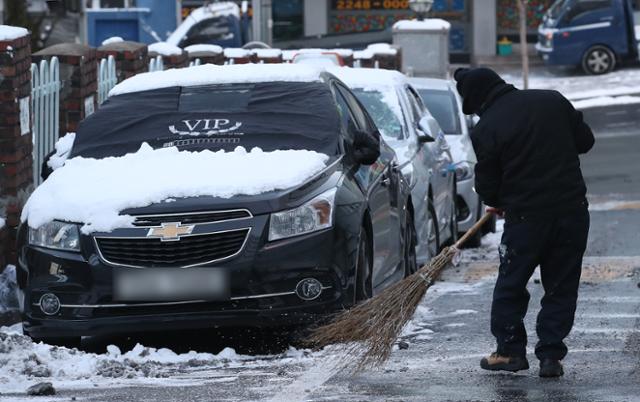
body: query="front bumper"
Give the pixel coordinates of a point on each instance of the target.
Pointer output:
(263, 279)
(471, 202)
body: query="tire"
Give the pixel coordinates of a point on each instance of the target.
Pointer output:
(598, 60)
(410, 240)
(67, 342)
(364, 283)
(433, 235)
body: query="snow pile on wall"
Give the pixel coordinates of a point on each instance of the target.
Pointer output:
(113, 39)
(236, 53)
(8, 289)
(204, 48)
(94, 191)
(209, 74)
(165, 49)
(430, 24)
(63, 148)
(376, 49)
(267, 53)
(7, 32)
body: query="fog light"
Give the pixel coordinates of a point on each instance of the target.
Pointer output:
(309, 289)
(49, 304)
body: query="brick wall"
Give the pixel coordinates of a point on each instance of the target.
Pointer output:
(15, 139)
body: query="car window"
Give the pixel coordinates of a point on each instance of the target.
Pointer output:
(346, 116)
(210, 30)
(381, 112)
(359, 115)
(582, 7)
(415, 104)
(444, 108)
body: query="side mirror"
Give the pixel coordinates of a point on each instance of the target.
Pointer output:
(425, 128)
(366, 148)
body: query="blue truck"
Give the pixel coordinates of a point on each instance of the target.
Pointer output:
(593, 34)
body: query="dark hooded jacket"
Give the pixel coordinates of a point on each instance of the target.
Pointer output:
(527, 144)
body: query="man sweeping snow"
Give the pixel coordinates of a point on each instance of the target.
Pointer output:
(527, 143)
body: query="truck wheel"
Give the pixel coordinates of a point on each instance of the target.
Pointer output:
(598, 60)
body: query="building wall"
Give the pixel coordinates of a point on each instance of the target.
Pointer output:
(484, 28)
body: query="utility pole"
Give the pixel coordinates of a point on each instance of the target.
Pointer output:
(524, 50)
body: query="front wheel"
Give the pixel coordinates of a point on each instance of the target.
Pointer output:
(598, 60)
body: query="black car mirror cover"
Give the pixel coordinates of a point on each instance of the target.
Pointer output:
(366, 148)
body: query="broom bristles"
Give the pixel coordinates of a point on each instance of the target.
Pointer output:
(369, 330)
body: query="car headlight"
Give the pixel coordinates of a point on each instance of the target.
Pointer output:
(315, 215)
(56, 235)
(464, 171)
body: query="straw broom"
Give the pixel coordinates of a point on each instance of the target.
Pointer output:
(369, 330)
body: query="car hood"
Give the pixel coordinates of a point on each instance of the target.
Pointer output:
(257, 204)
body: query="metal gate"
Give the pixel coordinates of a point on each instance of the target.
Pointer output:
(45, 103)
(107, 78)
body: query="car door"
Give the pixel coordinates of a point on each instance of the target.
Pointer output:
(442, 178)
(381, 187)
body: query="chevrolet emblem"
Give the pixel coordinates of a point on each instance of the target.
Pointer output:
(170, 231)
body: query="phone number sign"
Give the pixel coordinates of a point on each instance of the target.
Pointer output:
(347, 5)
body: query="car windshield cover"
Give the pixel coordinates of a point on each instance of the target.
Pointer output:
(381, 112)
(443, 106)
(271, 116)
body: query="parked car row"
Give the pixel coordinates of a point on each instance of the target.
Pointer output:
(392, 193)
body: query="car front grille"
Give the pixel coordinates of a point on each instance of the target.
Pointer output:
(192, 218)
(188, 251)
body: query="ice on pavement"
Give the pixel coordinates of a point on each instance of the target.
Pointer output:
(112, 185)
(63, 148)
(25, 363)
(209, 74)
(8, 32)
(605, 101)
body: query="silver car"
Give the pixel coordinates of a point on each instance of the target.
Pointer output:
(443, 101)
(422, 151)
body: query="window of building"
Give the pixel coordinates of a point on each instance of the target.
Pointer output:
(288, 19)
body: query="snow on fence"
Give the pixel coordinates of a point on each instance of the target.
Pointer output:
(45, 103)
(156, 64)
(107, 78)
(194, 63)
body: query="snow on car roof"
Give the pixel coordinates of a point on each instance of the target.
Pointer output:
(8, 32)
(430, 24)
(165, 49)
(93, 192)
(222, 8)
(209, 74)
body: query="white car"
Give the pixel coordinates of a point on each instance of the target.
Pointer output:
(443, 101)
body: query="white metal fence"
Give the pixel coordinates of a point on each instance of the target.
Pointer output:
(45, 103)
(195, 62)
(107, 78)
(156, 64)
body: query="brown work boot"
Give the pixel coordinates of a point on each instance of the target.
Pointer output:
(496, 362)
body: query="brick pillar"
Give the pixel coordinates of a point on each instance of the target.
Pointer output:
(207, 57)
(79, 82)
(16, 181)
(132, 58)
(174, 61)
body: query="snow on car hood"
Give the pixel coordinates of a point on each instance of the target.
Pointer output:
(94, 191)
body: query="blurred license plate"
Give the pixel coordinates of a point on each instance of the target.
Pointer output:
(170, 284)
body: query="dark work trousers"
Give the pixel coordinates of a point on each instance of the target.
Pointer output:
(556, 244)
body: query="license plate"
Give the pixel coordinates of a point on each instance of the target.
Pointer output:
(170, 284)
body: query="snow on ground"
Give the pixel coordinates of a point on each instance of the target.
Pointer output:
(209, 74)
(165, 49)
(8, 32)
(429, 24)
(113, 39)
(25, 363)
(112, 185)
(605, 101)
(8, 289)
(204, 48)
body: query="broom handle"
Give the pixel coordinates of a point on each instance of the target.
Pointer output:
(474, 229)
